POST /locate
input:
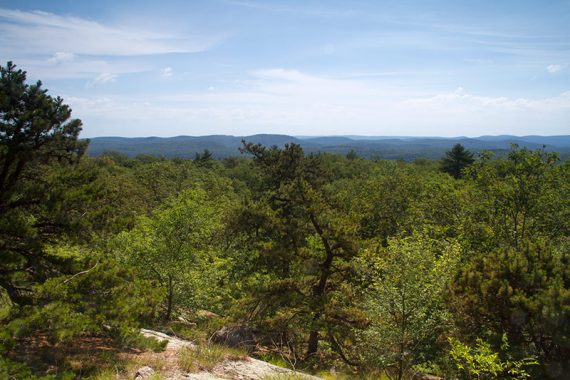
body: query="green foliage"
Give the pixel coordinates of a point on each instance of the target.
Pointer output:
(302, 245)
(482, 362)
(101, 298)
(378, 201)
(36, 135)
(406, 301)
(176, 247)
(333, 260)
(18, 371)
(515, 276)
(12, 370)
(204, 159)
(456, 160)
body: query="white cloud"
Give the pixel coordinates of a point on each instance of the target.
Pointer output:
(554, 68)
(461, 101)
(166, 72)
(302, 10)
(61, 57)
(40, 32)
(102, 79)
(70, 66)
(293, 102)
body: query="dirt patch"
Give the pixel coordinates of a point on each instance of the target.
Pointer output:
(84, 355)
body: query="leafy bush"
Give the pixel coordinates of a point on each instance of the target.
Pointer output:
(484, 363)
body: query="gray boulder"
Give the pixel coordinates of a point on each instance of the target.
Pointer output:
(236, 336)
(144, 373)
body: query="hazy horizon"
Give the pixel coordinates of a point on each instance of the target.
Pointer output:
(243, 67)
(347, 136)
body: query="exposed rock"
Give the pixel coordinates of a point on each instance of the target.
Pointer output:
(249, 369)
(202, 376)
(186, 322)
(174, 343)
(240, 369)
(237, 336)
(144, 373)
(205, 314)
(253, 369)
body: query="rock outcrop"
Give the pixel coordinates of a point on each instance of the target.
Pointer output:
(236, 336)
(239, 369)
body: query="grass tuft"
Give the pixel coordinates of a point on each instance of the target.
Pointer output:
(285, 376)
(206, 357)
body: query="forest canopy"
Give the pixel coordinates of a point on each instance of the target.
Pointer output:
(457, 268)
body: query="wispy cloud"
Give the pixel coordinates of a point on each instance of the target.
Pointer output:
(554, 68)
(166, 72)
(290, 101)
(299, 10)
(462, 101)
(102, 79)
(47, 33)
(60, 57)
(71, 66)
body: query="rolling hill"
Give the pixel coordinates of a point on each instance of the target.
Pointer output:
(403, 148)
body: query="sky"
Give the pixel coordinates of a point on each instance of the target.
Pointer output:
(304, 68)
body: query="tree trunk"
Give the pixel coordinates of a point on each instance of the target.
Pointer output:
(169, 299)
(319, 289)
(402, 338)
(313, 343)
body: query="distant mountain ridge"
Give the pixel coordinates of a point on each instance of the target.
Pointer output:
(401, 147)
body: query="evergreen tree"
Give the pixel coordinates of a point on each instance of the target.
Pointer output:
(204, 159)
(514, 277)
(37, 135)
(303, 246)
(455, 160)
(55, 285)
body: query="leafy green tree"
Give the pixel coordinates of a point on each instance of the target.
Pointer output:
(455, 160)
(379, 200)
(174, 246)
(406, 304)
(514, 276)
(161, 180)
(36, 135)
(522, 196)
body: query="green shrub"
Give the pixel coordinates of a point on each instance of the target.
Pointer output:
(484, 363)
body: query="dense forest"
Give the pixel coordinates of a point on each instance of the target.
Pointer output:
(457, 268)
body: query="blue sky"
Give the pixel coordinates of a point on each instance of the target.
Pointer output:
(240, 67)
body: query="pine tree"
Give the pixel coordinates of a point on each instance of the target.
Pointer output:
(303, 244)
(37, 134)
(455, 160)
